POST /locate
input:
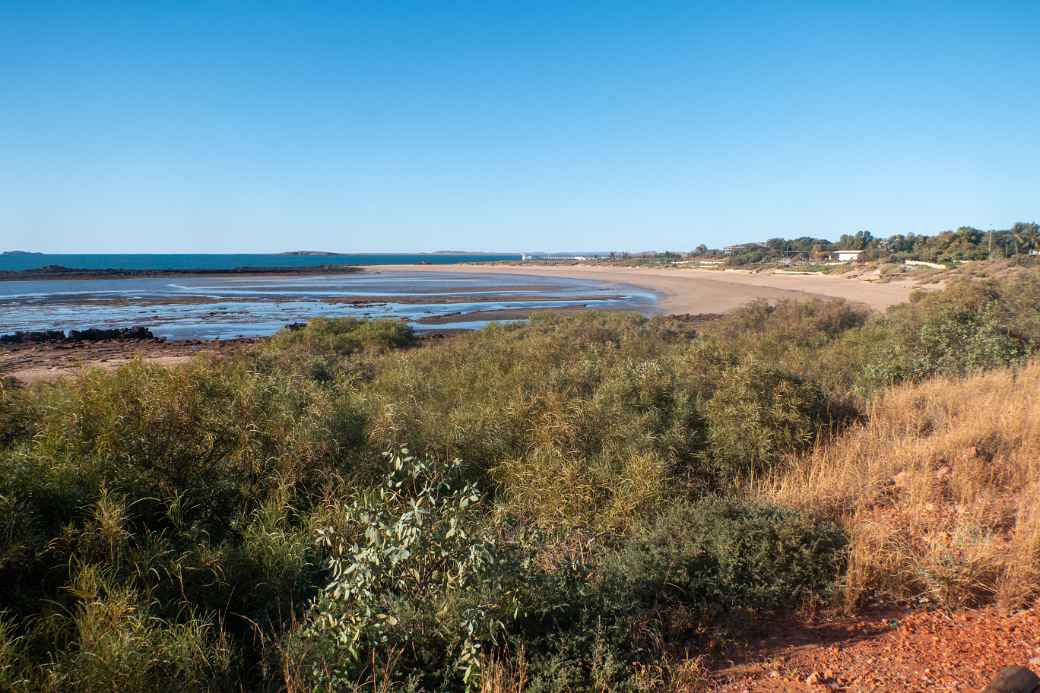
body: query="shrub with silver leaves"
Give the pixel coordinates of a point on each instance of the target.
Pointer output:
(416, 579)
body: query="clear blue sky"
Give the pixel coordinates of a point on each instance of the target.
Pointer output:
(388, 126)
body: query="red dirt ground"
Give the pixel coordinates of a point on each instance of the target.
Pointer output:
(918, 651)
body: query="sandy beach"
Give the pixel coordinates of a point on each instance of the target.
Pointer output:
(689, 290)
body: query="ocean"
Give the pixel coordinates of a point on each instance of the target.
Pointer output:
(206, 261)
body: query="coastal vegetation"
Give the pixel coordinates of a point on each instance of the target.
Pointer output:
(965, 243)
(583, 502)
(1020, 242)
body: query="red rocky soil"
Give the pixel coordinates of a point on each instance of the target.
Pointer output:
(898, 651)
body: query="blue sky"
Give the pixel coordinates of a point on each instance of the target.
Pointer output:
(389, 126)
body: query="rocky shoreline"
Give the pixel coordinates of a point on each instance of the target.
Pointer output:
(87, 335)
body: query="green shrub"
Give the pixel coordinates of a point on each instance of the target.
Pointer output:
(606, 493)
(600, 400)
(584, 658)
(785, 324)
(757, 415)
(345, 336)
(967, 328)
(715, 556)
(676, 578)
(210, 436)
(273, 565)
(179, 482)
(327, 349)
(415, 576)
(120, 646)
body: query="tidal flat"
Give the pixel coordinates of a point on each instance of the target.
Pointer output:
(233, 307)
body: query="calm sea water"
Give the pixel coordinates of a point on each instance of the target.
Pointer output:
(224, 307)
(188, 261)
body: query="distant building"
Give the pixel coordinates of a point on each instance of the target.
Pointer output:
(846, 255)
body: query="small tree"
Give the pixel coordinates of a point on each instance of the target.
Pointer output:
(1027, 237)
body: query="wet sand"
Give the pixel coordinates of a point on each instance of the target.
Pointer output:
(688, 290)
(504, 314)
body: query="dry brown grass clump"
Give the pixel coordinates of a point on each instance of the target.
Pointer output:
(939, 491)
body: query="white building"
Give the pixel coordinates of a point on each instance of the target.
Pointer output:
(846, 255)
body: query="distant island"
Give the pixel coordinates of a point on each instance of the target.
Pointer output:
(325, 253)
(311, 253)
(61, 272)
(19, 252)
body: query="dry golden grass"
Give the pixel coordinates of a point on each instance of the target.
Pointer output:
(666, 675)
(504, 675)
(939, 492)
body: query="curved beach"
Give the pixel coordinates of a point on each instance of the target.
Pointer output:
(688, 290)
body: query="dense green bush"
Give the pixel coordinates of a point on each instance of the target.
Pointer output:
(207, 437)
(319, 349)
(678, 578)
(758, 414)
(119, 645)
(969, 327)
(176, 485)
(197, 490)
(416, 576)
(419, 578)
(802, 338)
(592, 408)
(777, 329)
(713, 556)
(344, 336)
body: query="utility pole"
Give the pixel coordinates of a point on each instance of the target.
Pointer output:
(991, 244)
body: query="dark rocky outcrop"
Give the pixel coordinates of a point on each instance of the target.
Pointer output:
(1014, 680)
(88, 335)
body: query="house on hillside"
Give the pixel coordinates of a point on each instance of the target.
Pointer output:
(846, 255)
(794, 257)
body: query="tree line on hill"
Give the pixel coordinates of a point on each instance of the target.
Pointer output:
(949, 247)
